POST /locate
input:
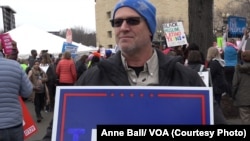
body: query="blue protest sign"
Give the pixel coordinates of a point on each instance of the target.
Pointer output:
(79, 109)
(236, 26)
(70, 48)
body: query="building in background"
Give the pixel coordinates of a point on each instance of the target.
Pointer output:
(167, 11)
(8, 18)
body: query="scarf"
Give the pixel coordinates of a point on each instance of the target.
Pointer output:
(232, 45)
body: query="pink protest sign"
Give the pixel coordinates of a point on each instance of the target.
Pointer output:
(6, 42)
(69, 36)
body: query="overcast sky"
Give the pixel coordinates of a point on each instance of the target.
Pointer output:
(53, 15)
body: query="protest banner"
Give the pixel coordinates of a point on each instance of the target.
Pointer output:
(29, 125)
(79, 109)
(6, 43)
(236, 26)
(205, 77)
(69, 36)
(70, 48)
(174, 34)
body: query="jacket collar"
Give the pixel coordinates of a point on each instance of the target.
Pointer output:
(116, 71)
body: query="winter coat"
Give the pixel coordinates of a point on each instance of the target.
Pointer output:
(218, 76)
(231, 55)
(14, 83)
(51, 74)
(66, 71)
(110, 72)
(38, 79)
(241, 85)
(80, 67)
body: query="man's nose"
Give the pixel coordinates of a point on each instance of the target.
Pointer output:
(125, 25)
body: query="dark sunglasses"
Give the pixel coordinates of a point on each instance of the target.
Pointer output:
(130, 21)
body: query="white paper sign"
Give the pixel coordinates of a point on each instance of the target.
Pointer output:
(205, 77)
(174, 34)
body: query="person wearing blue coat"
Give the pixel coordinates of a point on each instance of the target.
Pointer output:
(14, 83)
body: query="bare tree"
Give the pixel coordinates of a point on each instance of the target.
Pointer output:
(163, 20)
(81, 35)
(235, 8)
(200, 14)
(241, 9)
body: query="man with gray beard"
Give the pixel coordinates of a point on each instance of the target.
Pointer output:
(137, 63)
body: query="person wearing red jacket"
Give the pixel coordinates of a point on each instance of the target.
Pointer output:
(66, 70)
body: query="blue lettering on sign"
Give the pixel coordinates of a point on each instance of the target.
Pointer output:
(76, 133)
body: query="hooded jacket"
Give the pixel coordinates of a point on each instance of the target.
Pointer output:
(110, 72)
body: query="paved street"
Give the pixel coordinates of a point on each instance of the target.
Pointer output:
(42, 125)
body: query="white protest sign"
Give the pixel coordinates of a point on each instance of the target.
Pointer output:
(205, 77)
(174, 34)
